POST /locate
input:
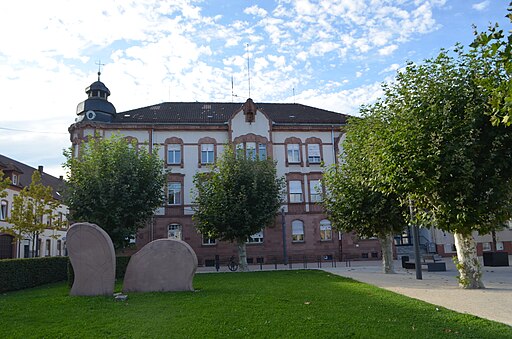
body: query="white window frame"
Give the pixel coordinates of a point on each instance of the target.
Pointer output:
(314, 155)
(295, 191)
(175, 231)
(315, 191)
(4, 204)
(325, 230)
(207, 154)
(256, 238)
(175, 188)
(173, 154)
(262, 151)
(250, 150)
(293, 153)
(297, 231)
(15, 179)
(486, 246)
(206, 241)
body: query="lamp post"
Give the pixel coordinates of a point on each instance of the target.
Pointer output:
(283, 226)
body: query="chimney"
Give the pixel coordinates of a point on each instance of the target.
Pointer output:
(61, 177)
(40, 169)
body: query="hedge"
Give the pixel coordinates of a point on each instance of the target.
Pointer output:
(121, 264)
(18, 274)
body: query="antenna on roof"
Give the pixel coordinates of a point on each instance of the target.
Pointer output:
(293, 89)
(99, 68)
(248, 70)
(232, 94)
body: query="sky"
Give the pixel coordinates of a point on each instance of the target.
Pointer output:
(331, 54)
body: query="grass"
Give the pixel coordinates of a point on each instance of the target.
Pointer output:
(279, 304)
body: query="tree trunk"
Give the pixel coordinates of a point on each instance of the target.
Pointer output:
(494, 241)
(386, 244)
(242, 256)
(470, 271)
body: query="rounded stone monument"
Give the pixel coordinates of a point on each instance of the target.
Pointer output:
(162, 265)
(92, 256)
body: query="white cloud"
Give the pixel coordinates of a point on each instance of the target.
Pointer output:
(388, 50)
(390, 68)
(255, 10)
(481, 5)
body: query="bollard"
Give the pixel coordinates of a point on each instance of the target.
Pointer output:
(217, 262)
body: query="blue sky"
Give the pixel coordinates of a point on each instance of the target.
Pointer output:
(332, 54)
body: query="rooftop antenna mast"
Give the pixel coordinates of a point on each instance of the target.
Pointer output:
(248, 70)
(99, 68)
(293, 89)
(232, 94)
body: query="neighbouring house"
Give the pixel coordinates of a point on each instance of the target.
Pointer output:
(190, 136)
(50, 242)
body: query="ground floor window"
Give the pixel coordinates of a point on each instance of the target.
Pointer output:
(47, 249)
(297, 231)
(256, 238)
(175, 232)
(325, 230)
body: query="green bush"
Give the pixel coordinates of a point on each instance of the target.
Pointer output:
(121, 264)
(18, 274)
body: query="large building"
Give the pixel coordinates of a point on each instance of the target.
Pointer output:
(50, 242)
(190, 136)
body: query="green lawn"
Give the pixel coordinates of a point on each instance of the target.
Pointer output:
(278, 304)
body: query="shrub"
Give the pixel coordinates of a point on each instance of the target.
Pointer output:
(121, 264)
(18, 274)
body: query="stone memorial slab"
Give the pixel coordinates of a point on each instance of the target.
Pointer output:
(162, 265)
(92, 256)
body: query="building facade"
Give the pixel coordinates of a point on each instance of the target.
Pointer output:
(190, 136)
(50, 242)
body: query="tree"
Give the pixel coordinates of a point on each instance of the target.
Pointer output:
(236, 199)
(442, 152)
(4, 183)
(496, 49)
(356, 204)
(115, 185)
(30, 207)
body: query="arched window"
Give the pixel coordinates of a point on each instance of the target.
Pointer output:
(297, 231)
(325, 230)
(175, 232)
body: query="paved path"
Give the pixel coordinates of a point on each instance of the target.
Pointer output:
(439, 288)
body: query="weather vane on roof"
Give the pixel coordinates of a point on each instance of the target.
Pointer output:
(99, 68)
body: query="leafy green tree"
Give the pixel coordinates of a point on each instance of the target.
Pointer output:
(30, 207)
(356, 204)
(4, 183)
(441, 152)
(115, 185)
(495, 49)
(237, 199)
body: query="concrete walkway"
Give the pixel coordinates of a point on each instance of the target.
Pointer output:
(438, 288)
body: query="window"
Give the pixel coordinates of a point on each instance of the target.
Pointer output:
(239, 150)
(486, 246)
(48, 247)
(250, 150)
(59, 248)
(256, 238)
(174, 193)
(3, 210)
(325, 230)
(297, 231)
(262, 150)
(295, 191)
(207, 154)
(38, 247)
(499, 246)
(15, 179)
(314, 153)
(315, 191)
(209, 241)
(174, 154)
(293, 153)
(175, 232)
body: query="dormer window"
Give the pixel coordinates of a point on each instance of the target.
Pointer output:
(14, 179)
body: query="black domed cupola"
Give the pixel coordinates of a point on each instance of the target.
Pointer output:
(96, 107)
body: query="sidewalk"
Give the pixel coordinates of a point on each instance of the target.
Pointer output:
(438, 288)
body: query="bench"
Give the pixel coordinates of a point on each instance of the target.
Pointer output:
(434, 263)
